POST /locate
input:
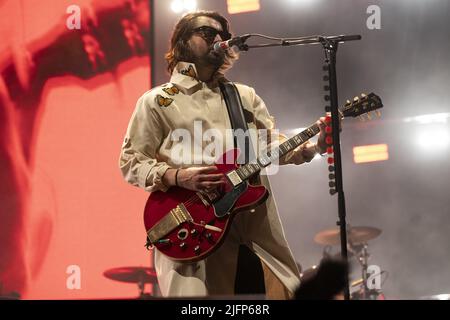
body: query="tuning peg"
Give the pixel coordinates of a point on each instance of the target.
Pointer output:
(378, 113)
(363, 95)
(348, 102)
(356, 98)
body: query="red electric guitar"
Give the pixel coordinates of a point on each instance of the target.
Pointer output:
(188, 226)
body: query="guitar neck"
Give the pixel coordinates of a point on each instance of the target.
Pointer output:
(288, 145)
(248, 170)
(358, 107)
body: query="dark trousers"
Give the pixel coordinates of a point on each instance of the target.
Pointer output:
(249, 274)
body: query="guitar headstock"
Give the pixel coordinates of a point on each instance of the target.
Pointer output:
(363, 105)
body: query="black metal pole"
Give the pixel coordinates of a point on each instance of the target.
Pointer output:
(330, 44)
(330, 52)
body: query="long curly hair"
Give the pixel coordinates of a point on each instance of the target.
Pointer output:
(179, 49)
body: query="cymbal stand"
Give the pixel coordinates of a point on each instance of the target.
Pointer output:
(141, 285)
(363, 260)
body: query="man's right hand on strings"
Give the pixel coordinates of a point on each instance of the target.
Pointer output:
(194, 178)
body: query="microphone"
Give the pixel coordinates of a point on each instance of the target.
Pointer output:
(224, 45)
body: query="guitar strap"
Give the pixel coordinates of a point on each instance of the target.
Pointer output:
(236, 113)
(249, 274)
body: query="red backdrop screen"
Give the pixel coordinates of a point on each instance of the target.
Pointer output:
(70, 75)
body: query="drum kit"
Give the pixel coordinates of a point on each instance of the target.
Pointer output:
(357, 238)
(357, 247)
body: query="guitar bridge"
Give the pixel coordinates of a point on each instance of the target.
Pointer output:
(170, 221)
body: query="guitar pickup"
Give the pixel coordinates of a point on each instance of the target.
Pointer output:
(203, 199)
(208, 197)
(234, 178)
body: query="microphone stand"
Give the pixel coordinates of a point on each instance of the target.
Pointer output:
(330, 46)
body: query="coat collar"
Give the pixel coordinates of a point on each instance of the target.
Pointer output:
(184, 76)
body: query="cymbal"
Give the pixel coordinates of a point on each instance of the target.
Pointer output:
(355, 235)
(132, 274)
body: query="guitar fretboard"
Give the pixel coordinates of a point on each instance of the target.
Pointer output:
(248, 170)
(360, 106)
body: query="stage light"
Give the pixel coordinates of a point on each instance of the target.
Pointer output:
(429, 118)
(433, 137)
(239, 6)
(300, 2)
(370, 153)
(178, 6)
(190, 5)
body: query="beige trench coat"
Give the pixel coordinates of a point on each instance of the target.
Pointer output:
(146, 155)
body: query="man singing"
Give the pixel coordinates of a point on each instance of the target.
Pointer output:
(147, 160)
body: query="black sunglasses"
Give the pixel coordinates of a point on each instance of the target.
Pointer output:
(209, 33)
